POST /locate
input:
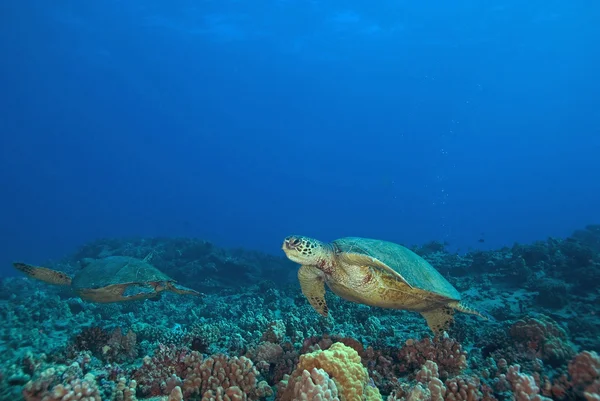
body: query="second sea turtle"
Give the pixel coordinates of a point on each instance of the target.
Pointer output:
(110, 279)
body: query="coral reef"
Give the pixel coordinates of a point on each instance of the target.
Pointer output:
(254, 336)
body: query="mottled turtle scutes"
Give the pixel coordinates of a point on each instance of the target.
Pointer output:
(375, 273)
(111, 279)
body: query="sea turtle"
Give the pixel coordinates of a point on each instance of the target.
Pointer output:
(375, 273)
(110, 279)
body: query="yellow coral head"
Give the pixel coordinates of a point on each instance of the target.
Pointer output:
(305, 250)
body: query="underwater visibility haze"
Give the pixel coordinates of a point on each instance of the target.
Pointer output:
(240, 122)
(300, 200)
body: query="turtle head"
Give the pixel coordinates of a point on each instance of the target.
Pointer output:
(306, 251)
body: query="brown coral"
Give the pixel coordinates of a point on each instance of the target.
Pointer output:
(446, 352)
(584, 370)
(544, 337)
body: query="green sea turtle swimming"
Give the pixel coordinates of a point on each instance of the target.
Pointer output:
(375, 273)
(111, 279)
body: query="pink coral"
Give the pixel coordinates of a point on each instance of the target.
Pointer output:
(427, 372)
(214, 377)
(152, 376)
(315, 385)
(523, 386)
(584, 370)
(466, 388)
(446, 352)
(429, 387)
(58, 385)
(383, 369)
(386, 366)
(543, 337)
(220, 373)
(273, 361)
(267, 352)
(124, 390)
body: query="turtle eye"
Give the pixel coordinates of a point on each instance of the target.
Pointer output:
(292, 242)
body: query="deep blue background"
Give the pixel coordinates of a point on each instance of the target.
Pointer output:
(244, 121)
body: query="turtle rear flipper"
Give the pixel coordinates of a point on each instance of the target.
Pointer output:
(43, 274)
(465, 308)
(439, 319)
(181, 290)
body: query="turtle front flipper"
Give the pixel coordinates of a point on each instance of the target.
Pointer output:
(439, 319)
(43, 274)
(181, 290)
(312, 284)
(358, 259)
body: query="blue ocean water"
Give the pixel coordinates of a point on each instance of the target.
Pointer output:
(242, 122)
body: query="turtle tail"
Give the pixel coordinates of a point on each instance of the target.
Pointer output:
(43, 274)
(465, 308)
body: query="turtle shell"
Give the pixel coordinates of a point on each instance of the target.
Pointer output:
(99, 273)
(416, 271)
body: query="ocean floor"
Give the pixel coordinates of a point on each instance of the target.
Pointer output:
(254, 336)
